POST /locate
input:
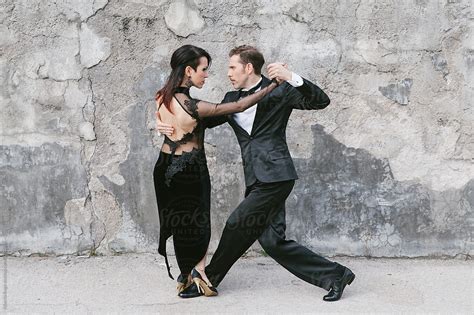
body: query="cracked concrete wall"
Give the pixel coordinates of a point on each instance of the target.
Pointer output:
(386, 170)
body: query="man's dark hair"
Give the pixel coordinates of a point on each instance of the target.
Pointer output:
(249, 54)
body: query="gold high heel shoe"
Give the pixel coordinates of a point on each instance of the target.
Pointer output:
(183, 283)
(202, 286)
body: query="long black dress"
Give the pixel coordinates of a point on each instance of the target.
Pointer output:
(182, 183)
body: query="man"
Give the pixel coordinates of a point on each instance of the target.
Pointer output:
(269, 173)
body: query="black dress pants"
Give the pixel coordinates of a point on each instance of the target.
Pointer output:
(261, 215)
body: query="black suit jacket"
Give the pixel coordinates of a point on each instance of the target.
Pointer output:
(265, 153)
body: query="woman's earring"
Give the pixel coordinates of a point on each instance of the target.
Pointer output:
(188, 82)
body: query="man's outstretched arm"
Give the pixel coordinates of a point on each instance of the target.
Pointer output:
(300, 93)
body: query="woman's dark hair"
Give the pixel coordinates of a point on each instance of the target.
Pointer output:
(187, 55)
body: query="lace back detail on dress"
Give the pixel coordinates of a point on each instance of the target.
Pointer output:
(191, 157)
(179, 164)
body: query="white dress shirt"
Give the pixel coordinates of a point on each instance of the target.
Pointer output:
(246, 118)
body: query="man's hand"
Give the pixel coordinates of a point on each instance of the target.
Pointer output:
(279, 71)
(162, 127)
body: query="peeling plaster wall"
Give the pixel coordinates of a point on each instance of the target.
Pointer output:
(386, 170)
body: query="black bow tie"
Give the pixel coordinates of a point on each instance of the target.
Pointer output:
(251, 91)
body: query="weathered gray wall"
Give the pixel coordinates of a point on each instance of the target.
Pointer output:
(386, 170)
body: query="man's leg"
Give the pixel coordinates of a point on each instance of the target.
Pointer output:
(248, 221)
(296, 258)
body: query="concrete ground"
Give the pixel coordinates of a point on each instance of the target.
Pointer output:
(138, 283)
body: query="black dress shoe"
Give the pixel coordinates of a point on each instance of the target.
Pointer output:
(184, 281)
(190, 292)
(338, 286)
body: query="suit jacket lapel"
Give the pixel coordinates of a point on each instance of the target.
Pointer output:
(260, 107)
(233, 98)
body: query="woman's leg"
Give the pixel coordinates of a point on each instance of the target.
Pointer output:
(205, 184)
(162, 194)
(191, 217)
(201, 220)
(200, 268)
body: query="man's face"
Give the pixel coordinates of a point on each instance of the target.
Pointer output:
(238, 73)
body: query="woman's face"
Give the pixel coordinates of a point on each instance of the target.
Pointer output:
(198, 76)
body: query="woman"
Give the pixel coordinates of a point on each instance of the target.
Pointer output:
(181, 176)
